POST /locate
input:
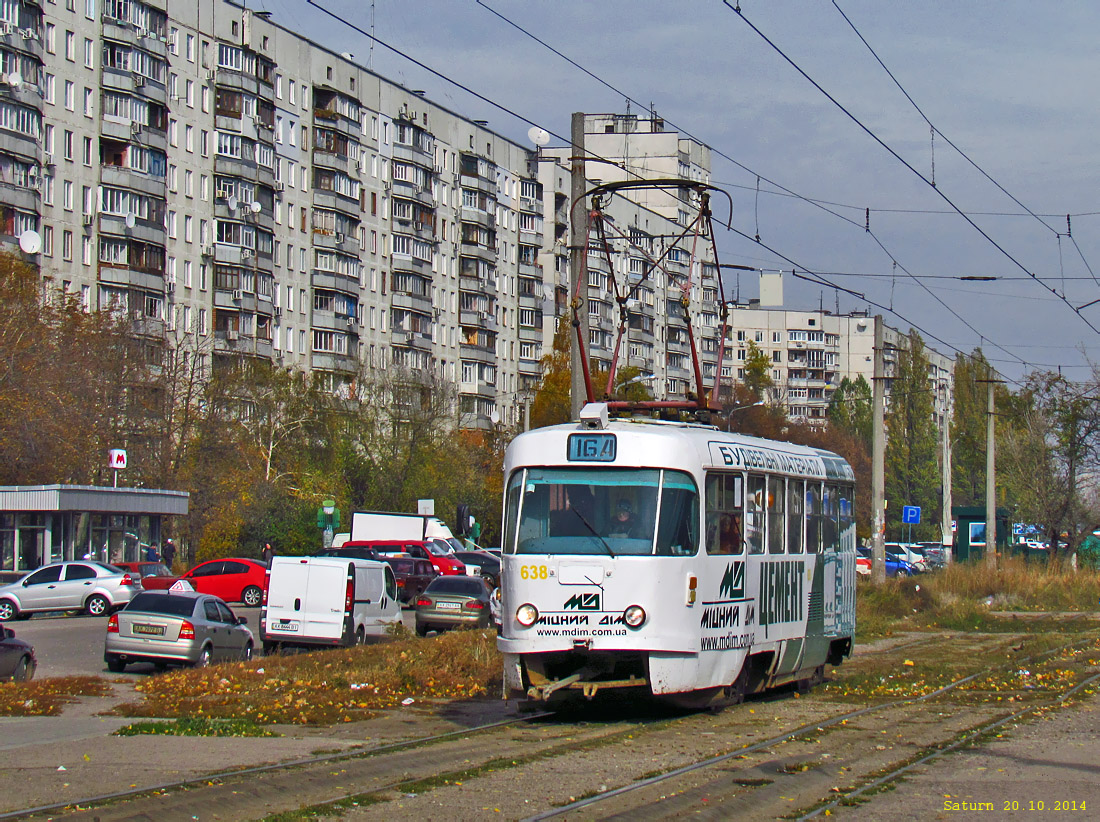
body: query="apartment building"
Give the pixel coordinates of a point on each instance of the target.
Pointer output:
(813, 351)
(238, 189)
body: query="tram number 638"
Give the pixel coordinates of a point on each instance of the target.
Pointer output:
(534, 572)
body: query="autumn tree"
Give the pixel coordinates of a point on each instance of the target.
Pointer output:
(968, 428)
(69, 382)
(850, 408)
(552, 404)
(1058, 453)
(758, 371)
(912, 474)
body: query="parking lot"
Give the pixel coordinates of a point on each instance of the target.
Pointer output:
(73, 645)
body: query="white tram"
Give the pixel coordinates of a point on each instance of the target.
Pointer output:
(672, 558)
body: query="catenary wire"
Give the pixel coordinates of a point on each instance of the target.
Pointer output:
(932, 125)
(814, 278)
(737, 10)
(759, 177)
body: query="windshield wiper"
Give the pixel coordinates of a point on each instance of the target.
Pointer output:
(595, 533)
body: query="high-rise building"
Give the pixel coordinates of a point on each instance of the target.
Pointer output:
(235, 188)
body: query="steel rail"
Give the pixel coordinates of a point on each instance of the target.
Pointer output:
(974, 733)
(353, 753)
(802, 730)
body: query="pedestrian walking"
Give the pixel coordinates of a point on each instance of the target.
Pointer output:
(169, 553)
(152, 554)
(269, 552)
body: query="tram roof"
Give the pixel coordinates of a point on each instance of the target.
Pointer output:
(684, 445)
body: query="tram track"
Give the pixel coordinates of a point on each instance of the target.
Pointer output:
(741, 792)
(499, 759)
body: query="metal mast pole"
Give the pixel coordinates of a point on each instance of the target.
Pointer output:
(878, 458)
(990, 482)
(578, 265)
(945, 513)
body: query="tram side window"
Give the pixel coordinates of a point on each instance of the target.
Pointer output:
(813, 517)
(754, 513)
(725, 513)
(776, 495)
(796, 493)
(829, 521)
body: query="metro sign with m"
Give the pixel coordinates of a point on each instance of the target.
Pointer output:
(116, 458)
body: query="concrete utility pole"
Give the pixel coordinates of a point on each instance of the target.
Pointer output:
(945, 513)
(578, 265)
(990, 483)
(878, 458)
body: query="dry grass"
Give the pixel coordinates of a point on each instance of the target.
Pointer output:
(328, 686)
(46, 697)
(964, 596)
(1022, 586)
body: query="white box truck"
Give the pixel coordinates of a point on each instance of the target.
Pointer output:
(327, 601)
(372, 525)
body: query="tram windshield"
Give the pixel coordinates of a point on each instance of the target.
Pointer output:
(612, 511)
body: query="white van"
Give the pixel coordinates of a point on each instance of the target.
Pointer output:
(327, 601)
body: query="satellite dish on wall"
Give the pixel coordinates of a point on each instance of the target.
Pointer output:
(131, 221)
(861, 324)
(256, 207)
(30, 241)
(233, 203)
(539, 136)
(15, 79)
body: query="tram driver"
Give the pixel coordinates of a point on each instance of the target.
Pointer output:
(624, 523)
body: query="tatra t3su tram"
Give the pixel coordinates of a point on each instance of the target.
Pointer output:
(669, 557)
(672, 558)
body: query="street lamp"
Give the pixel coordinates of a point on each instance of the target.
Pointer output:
(637, 379)
(729, 414)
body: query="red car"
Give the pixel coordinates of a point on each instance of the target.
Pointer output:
(444, 562)
(234, 580)
(145, 569)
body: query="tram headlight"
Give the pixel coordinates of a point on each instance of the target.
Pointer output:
(634, 616)
(527, 615)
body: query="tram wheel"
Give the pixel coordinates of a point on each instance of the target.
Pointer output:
(735, 693)
(804, 686)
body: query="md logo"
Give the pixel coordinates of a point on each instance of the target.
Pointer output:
(583, 602)
(733, 582)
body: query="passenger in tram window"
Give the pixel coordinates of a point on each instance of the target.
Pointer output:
(730, 540)
(754, 514)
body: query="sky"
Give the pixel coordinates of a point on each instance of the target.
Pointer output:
(1010, 84)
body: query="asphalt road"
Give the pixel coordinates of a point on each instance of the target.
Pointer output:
(73, 645)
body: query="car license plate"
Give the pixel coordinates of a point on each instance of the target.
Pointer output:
(288, 625)
(448, 605)
(151, 630)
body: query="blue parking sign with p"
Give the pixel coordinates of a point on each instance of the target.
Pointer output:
(910, 514)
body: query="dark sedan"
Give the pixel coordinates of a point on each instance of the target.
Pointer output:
(486, 563)
(17, 660)
(413, 576)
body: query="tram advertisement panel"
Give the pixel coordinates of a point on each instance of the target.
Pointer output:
(754, 601)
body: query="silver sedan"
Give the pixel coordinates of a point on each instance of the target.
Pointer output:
(176, 628)
(93, 587)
